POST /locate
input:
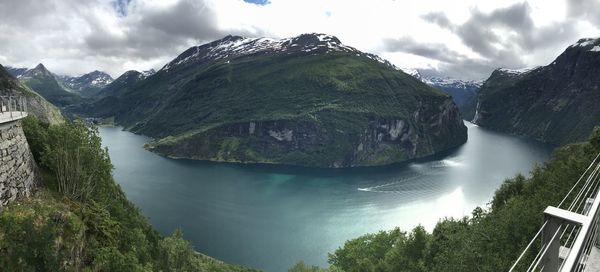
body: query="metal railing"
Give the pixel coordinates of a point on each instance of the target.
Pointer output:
(569, 233)
(14, 106)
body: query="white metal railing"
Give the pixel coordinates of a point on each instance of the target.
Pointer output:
(13, 106)
(569, 233)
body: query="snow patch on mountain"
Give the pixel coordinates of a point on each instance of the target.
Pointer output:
(237, 46)
(586, 42)
(412, 71)
(451, 82)
(518, 71)
(148, 73)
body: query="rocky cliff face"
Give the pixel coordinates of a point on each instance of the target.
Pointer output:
(557, 103)
(319, 141)
(17, 167)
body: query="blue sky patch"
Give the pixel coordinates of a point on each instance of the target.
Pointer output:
(258, 2)
(120, 7)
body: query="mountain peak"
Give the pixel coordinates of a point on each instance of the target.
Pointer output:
(231, 47)
(591, 44)
(39, 71)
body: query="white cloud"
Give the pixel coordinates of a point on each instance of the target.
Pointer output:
(74, 37)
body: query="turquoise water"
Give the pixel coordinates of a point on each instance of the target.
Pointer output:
(270, 217)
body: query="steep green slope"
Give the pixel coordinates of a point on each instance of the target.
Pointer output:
(122, 84)
(557, 103)
(44, 83)
(36, 105)
(85, 222)
(312, 103)
(489, 240)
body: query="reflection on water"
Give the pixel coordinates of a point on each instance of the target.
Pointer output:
(269, 217)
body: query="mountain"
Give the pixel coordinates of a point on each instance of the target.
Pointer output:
(45, 83)
(88, 84)
(16, 72)
(36, 105)
(308, 100)
(557, 103)
(124, 82)
(462, 91)
(148, 73)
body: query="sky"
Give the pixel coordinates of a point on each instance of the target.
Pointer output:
(465, 39)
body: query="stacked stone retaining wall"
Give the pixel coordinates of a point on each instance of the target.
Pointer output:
(17, 167)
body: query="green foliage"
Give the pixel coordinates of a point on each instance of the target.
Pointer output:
(177, 254)
(489, 240)
(73, 151)
(58, 230)
(302, 267)
(40, 235)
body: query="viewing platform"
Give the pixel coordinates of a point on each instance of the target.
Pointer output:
(12, 108)
(569, 238)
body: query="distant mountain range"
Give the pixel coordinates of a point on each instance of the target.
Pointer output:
(87, 85)
(462, 91)
(309, 100)
(60, 87)
(558, 103)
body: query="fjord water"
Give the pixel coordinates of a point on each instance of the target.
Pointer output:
(270, 217)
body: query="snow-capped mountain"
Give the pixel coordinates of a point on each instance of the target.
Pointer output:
(88, 84)
(94, 79)
(236, 46)
(460, 90)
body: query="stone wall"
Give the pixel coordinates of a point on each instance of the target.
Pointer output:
(17, 167)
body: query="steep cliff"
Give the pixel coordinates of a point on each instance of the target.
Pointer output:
(308, 100)
(557, 103)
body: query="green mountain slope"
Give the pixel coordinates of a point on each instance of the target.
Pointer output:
(45, 83)
(308, 100)
(36, 105)
(557, 103)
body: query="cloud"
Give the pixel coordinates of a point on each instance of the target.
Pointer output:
(586, 9)
(503, 37)
(462, 38)
(436, 51)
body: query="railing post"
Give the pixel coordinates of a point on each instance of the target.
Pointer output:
(550, 260)
(9, 106)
